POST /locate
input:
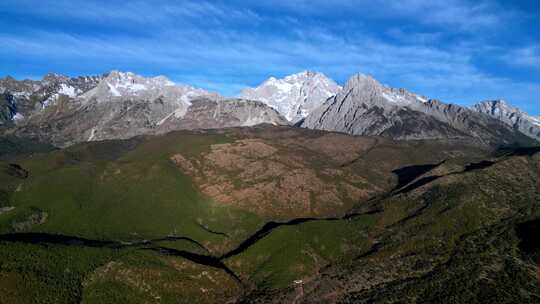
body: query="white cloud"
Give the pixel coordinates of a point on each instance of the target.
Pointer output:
(132, 13)
(225, 57)
(225, 54)
(465, 15)
(460, 15)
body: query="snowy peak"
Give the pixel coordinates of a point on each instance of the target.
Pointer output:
(294, 96)
(160, 97)
(126, 85)
(121, 83)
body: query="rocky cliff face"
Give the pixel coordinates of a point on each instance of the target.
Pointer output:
(512, 116)
(366, 107)
(222, 113)
(294, 96)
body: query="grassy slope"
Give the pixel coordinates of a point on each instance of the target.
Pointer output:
(298, 252)
(46, 274)
(453, 241)
(98, 191)
(128, 191)
(72, 274)
(146, 277)
(139, 195)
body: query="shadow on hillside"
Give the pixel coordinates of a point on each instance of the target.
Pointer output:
(408, 174)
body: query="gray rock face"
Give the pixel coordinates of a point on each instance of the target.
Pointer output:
(294, 96)
(94, 121)
(119, 86)
(72, 121)
(124, 105)
(512, 116)
(366, 107)
(212, 114)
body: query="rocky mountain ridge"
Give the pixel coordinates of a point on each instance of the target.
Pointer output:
(366, 107)
(118, 105)
(121, 105)
(512, 116)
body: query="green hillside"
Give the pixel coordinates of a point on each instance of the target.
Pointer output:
(241, 214)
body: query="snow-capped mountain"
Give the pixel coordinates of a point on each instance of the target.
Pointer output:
(122, 85)
(512, 116)
(294, 96)
(366, 107)
(119, 105)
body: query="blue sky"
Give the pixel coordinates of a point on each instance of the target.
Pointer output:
(459, 51)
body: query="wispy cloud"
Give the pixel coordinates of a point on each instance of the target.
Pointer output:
(460, 14)
(457, 13)
(218, 53)
(427, 46)
(526, 56)
(137, 13)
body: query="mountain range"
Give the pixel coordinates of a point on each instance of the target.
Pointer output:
(120, 188)
(120, 105)
(366, 107)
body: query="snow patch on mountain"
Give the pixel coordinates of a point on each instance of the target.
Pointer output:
(127, 85)
(165, 97)
(68, 90)
(294, 96)
(92, 134)
(113, 90)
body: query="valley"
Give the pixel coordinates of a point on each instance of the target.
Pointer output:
(167, 226)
